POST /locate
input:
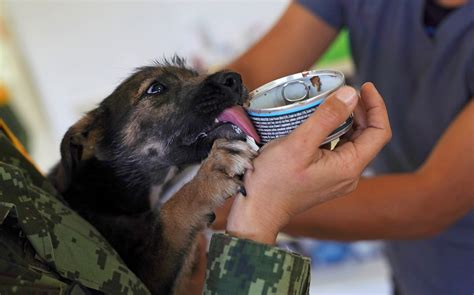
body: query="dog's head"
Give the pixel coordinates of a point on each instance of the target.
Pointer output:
(163, 115)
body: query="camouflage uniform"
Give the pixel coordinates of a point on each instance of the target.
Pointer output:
(46, 248)
(237, 266)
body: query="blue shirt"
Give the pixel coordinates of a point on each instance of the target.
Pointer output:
(425, 82)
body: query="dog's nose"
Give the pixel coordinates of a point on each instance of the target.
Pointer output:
(230, 80)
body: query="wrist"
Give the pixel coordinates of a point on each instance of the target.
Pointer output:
(253, 233)
(248, 221)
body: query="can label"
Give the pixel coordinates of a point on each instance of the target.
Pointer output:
(272, 127)
(280, 106)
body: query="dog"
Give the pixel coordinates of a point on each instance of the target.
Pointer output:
(117, 160)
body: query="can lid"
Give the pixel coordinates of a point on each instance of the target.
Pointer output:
(295, 91)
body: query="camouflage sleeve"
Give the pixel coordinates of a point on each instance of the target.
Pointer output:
(238, 266)
(45, 247)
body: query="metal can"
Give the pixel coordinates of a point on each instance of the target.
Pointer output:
(280, 106)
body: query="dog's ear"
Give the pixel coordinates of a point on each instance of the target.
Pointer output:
(79, 144)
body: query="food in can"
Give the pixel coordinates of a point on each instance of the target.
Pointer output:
(280, 106)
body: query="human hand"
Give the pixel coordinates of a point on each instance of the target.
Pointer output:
(293, 173)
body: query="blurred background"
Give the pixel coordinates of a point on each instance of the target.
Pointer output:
(58, 59)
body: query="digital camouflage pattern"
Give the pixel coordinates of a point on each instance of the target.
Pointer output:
(45, 247)
(237, 266)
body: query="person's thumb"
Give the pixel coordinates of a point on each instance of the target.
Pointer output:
(330, 115)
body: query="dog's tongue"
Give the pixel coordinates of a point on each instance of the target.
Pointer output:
(237, 116)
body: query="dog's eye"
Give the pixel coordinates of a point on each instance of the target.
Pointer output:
(156, 88)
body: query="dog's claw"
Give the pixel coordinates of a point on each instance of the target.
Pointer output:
(243, 191)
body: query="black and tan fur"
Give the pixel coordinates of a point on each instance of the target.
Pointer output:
(118, 158)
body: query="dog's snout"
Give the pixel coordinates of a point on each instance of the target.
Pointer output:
(230, 80)
(233, 81)
(219, 91)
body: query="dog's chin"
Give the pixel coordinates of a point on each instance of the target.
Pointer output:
(226, 131)
(209, 135)
(201, 144)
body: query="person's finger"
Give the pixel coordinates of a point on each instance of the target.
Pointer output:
(330, 115)
(376, 110)
(360, 115)
(360, 121)
(378, 132)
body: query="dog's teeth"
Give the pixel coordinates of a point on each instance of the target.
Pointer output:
(237, 129)
(252, 143)
(216, 121)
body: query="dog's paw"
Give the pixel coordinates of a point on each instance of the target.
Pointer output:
(221, 173)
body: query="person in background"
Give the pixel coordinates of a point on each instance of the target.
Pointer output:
(420, 55)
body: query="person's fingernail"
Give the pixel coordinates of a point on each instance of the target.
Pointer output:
(347, 95)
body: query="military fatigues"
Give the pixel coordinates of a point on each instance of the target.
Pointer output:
(237, 266)
(46, 248)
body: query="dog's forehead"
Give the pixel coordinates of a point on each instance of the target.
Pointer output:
(144, 77)
(157, 72)
(178, 72)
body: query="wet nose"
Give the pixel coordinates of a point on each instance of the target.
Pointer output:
(230, 80)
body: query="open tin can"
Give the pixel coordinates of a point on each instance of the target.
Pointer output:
(280, 106)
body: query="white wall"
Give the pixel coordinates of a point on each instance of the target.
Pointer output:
(78, 51)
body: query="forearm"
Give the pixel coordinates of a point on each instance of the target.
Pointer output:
(402, 206)
(284, 50)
